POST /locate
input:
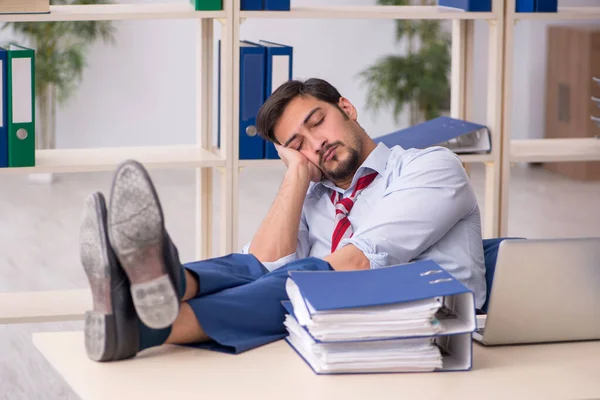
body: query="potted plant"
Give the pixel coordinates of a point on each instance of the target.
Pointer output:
(419, 79)
(60, 54)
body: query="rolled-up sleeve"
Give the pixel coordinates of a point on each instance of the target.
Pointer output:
(422, 202)
(302, 248)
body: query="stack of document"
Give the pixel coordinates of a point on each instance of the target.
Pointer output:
(407, 318)
(460, 136)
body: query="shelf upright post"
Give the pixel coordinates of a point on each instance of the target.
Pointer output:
(509, 18)
(228, 143)
(204, 127)
(495, 101)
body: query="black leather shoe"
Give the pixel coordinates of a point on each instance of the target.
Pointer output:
(111, 328)
(142, 245)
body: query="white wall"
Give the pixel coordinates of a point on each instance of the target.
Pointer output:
(142, 90)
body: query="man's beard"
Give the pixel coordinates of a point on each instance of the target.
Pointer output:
(344, 169)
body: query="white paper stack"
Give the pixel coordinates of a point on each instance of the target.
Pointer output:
(337, 332)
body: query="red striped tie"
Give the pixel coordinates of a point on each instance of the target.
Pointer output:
(343, 228)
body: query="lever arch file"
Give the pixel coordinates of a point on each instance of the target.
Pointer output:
(278, 70)
(460, 136)
(252, 97)
(3, 108)
(411, 317)
(21, 106)
(207, 5)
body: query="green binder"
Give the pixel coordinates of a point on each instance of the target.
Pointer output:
(207, 5)
(21, 106)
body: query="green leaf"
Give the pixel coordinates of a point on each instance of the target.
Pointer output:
(418, 78)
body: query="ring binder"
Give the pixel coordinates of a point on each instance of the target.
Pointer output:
(392, 319)
(441, 280)
(430, 272)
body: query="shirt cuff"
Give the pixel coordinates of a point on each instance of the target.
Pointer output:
(376, 259)
(273, 265)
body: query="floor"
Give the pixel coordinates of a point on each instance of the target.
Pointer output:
(39, 227)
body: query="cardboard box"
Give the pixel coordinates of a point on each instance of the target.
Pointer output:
(573, 59)
(24, 6)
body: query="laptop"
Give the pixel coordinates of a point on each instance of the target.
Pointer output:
(544, 290)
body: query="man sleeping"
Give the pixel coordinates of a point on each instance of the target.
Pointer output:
(345, 203)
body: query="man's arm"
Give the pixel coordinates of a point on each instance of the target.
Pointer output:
(418, 209)
(277, 235)
(348, 258)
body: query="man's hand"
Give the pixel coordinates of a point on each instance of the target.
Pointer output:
(294, 159)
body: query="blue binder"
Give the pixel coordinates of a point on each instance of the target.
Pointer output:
(251, 5)
(279, 62)
(546, 5)
(337, 290)
(460, 136)
(277, 5)
(252, 97)
(468, 5)
(321, 293)
(525, 5)
(3, 108)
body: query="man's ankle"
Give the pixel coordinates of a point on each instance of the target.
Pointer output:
(190, 283)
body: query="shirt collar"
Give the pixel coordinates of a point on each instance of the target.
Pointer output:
(376, 161)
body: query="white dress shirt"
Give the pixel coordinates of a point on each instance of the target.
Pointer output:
(420, 206)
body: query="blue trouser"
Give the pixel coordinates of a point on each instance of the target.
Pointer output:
(239, 302)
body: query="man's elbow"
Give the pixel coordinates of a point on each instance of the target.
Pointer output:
(348, 258)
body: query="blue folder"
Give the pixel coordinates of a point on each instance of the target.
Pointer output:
(337, 290)
(252, 97)
(251, 5)
(546, 5)
(525, 5)
(277, 5)
(3, 108)
(323, 292)
(279, 62)
(460, 136)
(468, 5)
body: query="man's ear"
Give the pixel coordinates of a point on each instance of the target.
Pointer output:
(348, 108)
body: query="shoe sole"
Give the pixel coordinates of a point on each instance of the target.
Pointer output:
(100, 326)
(136, 232)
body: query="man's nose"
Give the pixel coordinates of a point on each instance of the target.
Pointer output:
(318, 144)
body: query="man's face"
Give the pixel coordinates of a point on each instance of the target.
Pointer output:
(322, 133)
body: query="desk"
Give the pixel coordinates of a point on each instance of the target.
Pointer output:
(275, 371)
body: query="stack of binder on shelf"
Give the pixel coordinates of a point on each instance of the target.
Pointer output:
(468, 5)
(17, 119)
(407, 318)
(462, 137)
(267, 5)
(264, 66)
(536, 5)
(24, 6)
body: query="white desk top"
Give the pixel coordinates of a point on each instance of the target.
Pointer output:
(275, 371)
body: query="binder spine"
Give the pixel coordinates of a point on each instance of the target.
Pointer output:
(277, 5)
(252, 84)
(276, 74)
(207, 5)
(251, 5)
(3, 109)
(21, 107)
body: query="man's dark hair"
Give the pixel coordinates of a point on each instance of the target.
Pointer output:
(270, 112)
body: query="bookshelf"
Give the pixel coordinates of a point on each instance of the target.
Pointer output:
(116, 12)
(204, 157)
(536, 150)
